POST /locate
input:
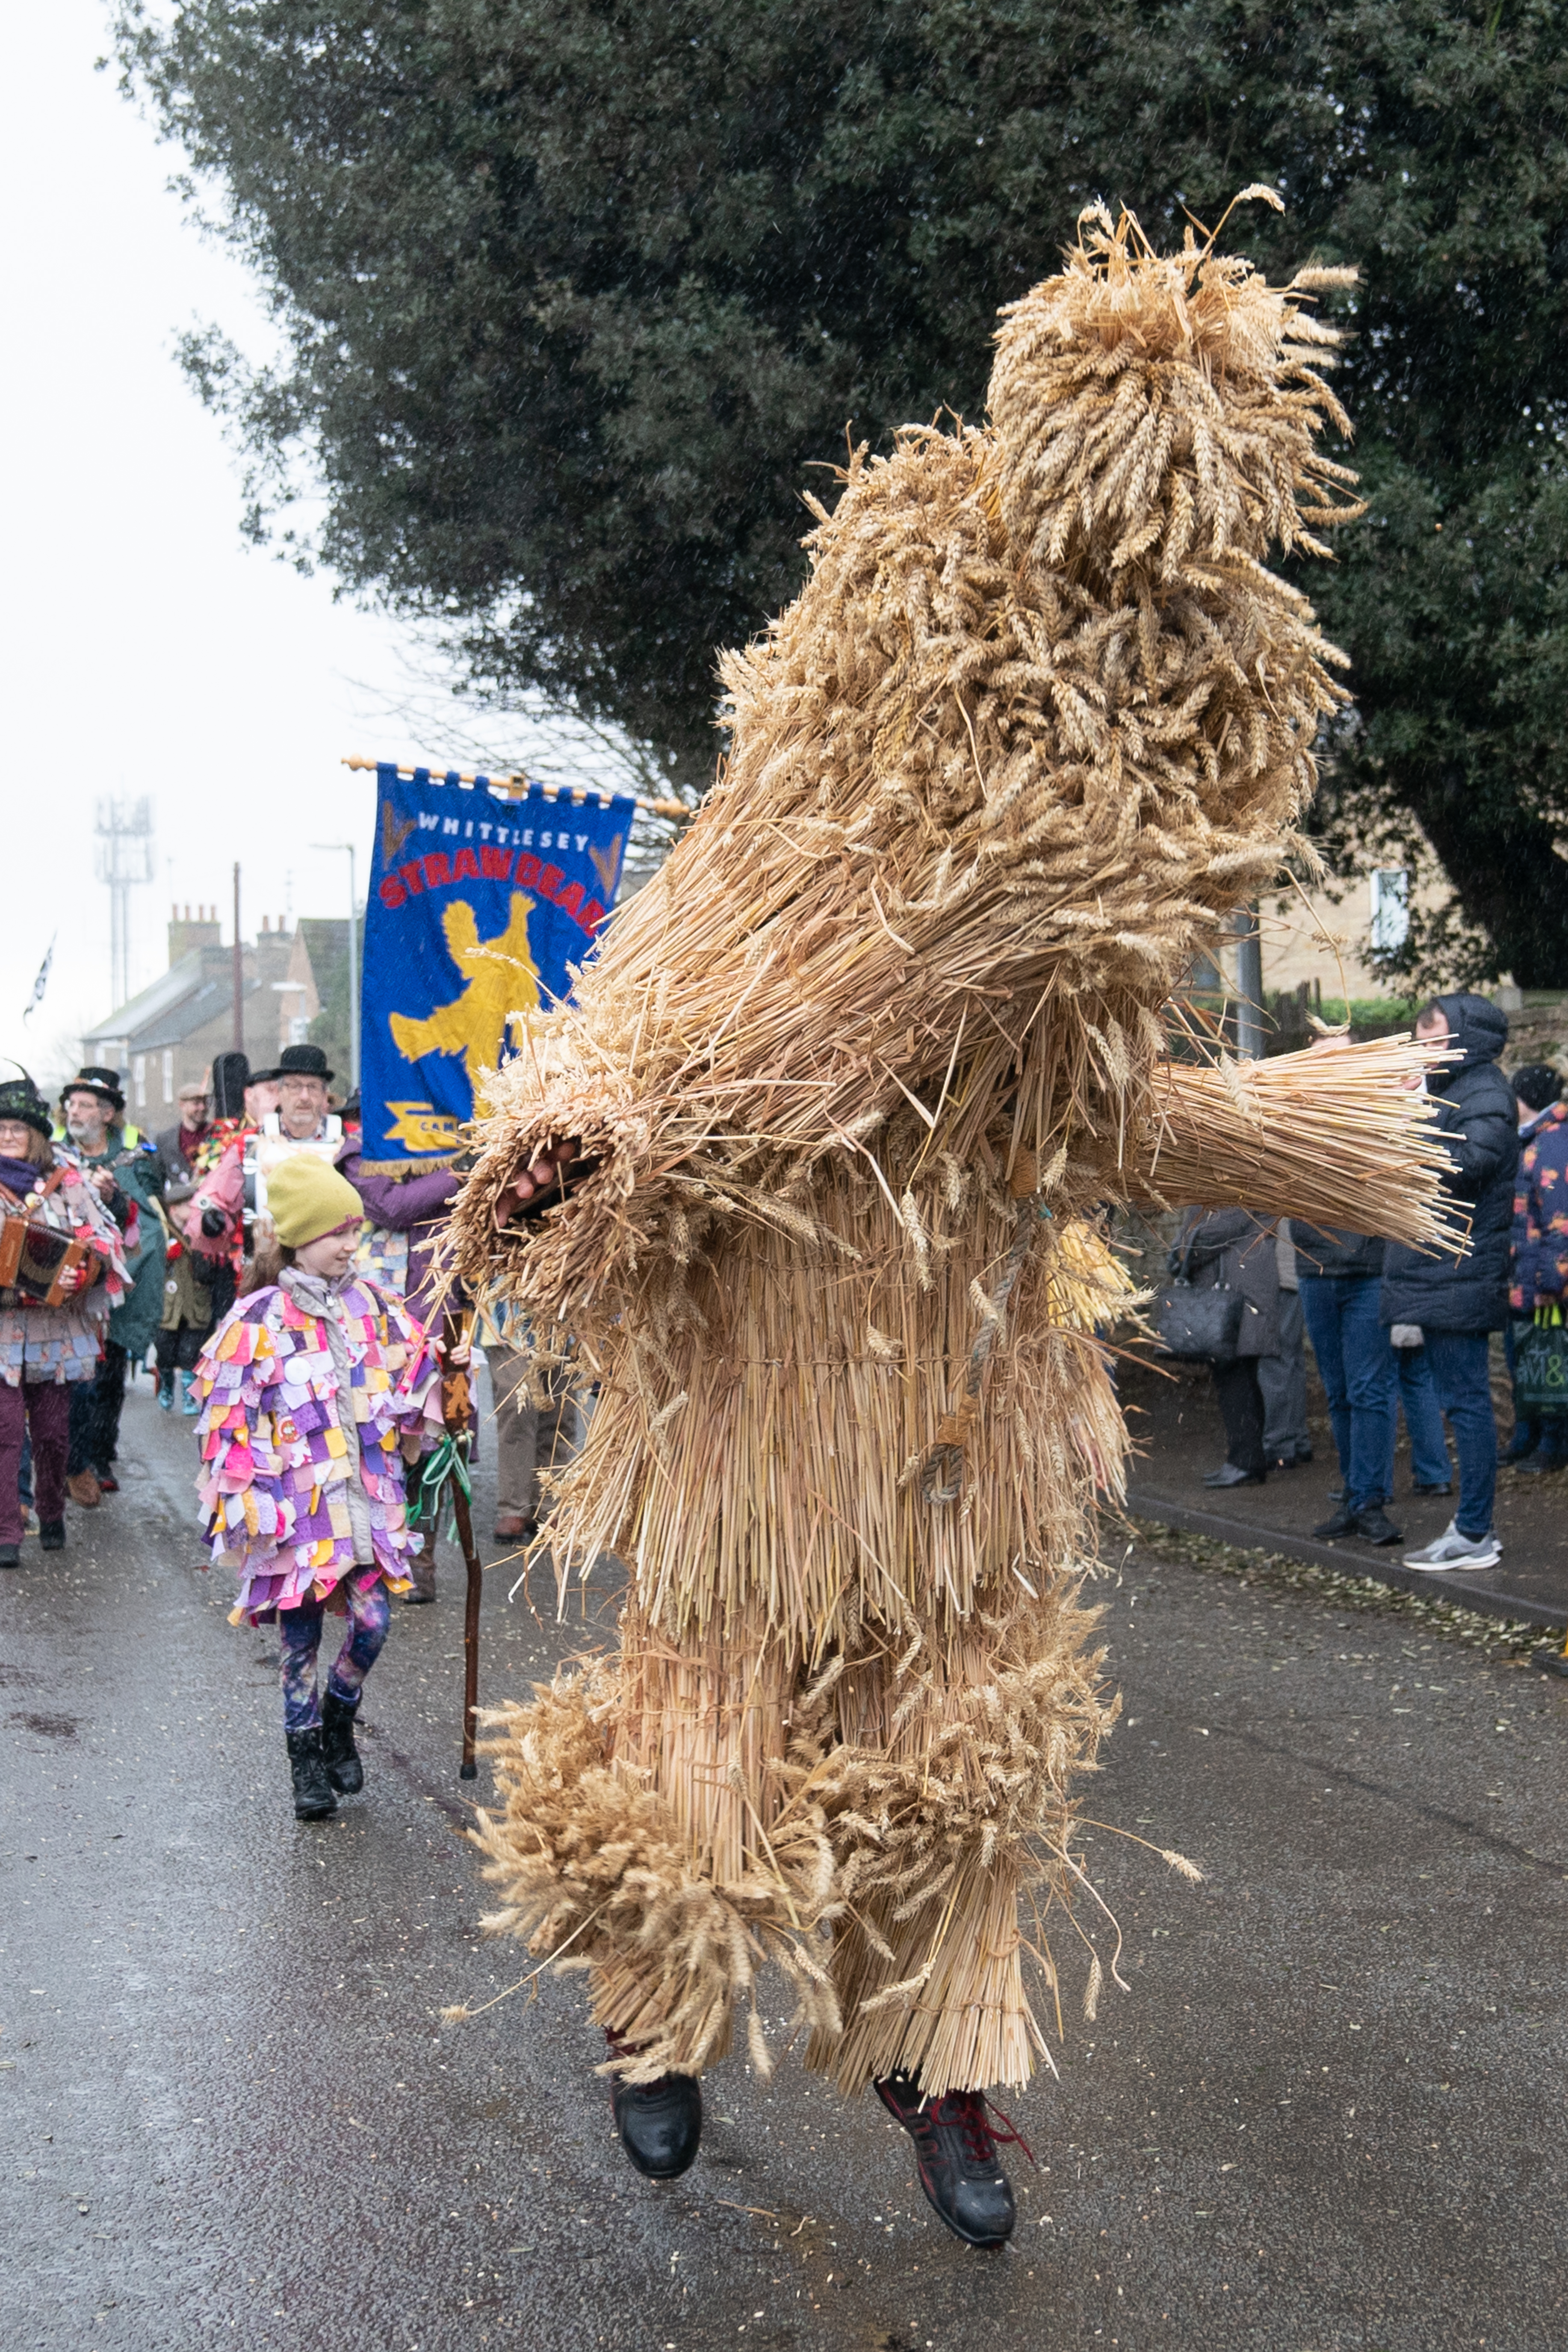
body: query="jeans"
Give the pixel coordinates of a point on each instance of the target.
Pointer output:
(1463, 1382)
(300, 1638)
(1429, 1462)
(1356, 1366)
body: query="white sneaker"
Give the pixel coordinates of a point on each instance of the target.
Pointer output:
(1452, 1550)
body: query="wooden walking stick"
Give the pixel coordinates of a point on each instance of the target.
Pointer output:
(453, 1476)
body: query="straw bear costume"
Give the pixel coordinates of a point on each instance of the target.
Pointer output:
(850, 1076)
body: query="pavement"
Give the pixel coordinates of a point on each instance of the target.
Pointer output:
(1325, 2112)
(1178, 1436)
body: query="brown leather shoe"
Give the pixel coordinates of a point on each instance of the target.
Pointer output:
(512, 1528)
(83, 1487)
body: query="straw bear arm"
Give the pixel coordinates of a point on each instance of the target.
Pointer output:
(1338, 1138)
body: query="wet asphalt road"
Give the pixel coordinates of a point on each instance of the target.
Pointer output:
(1328, 2113)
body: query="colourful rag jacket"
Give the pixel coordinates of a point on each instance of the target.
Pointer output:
(60, 1343)
(281, 1454)
(1541, 1214)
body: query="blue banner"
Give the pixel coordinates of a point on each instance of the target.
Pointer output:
(479, 904)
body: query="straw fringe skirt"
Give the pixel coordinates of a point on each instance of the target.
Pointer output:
(852, 1480)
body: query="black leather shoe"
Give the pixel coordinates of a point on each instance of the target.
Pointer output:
(1540, 1464)
(51, 1535)
(1227, 1475)
(313, 1795)
(955, 2156)
(1340, 1525)
(338, 1753)
(660, 2123)
(1417, 1488)
(1374, 1526)
(10, 1555)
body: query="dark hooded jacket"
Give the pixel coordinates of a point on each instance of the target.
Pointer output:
(1335, 1251)
(1465, 1291)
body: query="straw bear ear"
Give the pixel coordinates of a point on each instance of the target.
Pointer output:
(1161, 408)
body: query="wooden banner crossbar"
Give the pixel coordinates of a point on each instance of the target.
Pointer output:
(517, 786)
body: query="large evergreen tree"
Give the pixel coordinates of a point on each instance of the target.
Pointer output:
(573, 295)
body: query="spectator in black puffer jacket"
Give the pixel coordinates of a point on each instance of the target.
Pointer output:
(1457, 1297)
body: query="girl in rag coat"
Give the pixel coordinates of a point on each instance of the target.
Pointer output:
(314, 1393)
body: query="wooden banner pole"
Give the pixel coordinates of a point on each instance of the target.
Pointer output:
(515, 785)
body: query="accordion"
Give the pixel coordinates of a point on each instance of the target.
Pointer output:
(37, 1262)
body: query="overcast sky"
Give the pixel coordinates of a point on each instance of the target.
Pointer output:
(147, 649)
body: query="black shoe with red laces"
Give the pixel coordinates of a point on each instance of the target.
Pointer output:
(660, 2123)
(955, 2153)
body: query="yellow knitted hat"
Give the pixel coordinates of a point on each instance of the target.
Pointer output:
(305, 1198)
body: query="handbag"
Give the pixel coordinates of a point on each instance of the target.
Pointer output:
(1198, 1325)
(1540, 1362)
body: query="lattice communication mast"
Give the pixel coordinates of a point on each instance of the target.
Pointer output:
(123, 860)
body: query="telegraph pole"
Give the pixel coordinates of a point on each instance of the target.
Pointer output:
(354, 957)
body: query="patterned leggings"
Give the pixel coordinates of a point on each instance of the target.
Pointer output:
(370, 1613)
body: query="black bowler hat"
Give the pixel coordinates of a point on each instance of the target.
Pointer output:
(92, 1080)
(20, 1099)
(300, 1062)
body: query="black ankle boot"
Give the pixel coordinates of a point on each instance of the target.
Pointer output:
(51, 1535)
(338, 1753)
(660, 2124)
(313, 1798)
(955, 2154)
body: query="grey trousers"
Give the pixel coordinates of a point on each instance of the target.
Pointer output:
(1283, 1380)
(529, 1437)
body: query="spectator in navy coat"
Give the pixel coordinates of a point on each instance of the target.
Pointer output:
(1457, 1297)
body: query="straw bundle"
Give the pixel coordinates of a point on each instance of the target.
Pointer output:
(1334, 1135)
(856, 1070)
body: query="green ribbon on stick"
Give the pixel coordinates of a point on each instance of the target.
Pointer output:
(446, 1463)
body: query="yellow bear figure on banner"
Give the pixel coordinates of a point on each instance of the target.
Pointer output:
(501, 984)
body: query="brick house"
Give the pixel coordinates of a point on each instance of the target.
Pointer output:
(169, 1032)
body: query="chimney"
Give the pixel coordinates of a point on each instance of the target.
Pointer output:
(185, 935)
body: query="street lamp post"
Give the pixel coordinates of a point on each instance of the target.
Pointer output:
(354, 957)
(1248, 985)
